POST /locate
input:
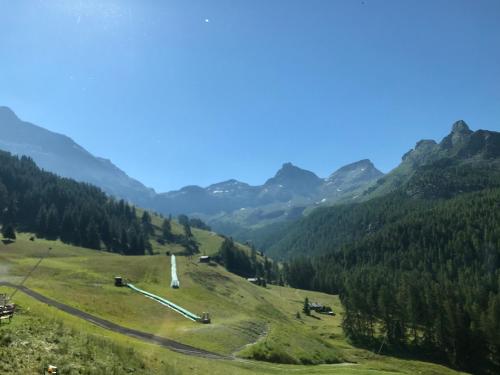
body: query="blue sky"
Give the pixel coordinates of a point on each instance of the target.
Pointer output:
(195, 92)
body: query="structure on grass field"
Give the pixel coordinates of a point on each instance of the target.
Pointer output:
(321, 309)
(258, 281)
(165, 302)
(204, 259)
(205, 318)
(7, 309)
(118, 281)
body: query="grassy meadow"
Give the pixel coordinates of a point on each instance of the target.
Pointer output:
(258, 326)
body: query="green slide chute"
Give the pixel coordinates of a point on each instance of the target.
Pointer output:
(187, 314)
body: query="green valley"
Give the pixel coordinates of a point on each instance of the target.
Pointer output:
(248, 322)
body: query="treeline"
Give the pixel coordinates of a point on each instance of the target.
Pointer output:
(165, 235)
(242, 263)
(427, 283)
(193, 222)
(53, 207)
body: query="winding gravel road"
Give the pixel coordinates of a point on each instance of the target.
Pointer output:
(144, 336)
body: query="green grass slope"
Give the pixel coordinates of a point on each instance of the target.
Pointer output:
(248, 321)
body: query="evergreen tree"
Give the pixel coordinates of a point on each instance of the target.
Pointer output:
(166, 229)
(183, 220)
(67, 228)
(41, 221)
(187, 231)
(9, 232)
(92, 238)
(235, 260)
(306, 309)
(147, 223)
(52, 229)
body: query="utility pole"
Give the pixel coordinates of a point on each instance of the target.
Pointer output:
(30, 272)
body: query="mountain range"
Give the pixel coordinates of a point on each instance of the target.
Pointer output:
(256, 212)
(285, 196)
(465, 161)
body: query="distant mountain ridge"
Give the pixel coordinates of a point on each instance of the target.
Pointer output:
(59, 154)
(282, 197)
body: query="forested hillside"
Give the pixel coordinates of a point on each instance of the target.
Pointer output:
(428, 282)
(327, 228)
(32, 200)
(418, 269)
(37, 201)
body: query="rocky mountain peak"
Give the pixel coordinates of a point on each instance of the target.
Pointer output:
(291, 173)
(460, 127)
(460, 132)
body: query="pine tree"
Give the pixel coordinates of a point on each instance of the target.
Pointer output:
(123, 242)
(67, 227)
(92, 238)
(52, 229)
(187, 230)
(9, 232)
(147, 223)
(41, 221)
(166, 229)
(306, 309)
(183, 220)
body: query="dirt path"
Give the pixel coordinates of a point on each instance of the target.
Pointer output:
(144, 336)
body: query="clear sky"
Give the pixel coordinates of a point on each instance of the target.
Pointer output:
(195, 92)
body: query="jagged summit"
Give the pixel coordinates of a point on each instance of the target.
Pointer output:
(460, 132)
(291, 174)
(461, 126)
(288, 168)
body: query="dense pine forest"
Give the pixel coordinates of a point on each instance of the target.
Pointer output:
(239, 262)
(416, 275)
(327, 228)
(36, 201)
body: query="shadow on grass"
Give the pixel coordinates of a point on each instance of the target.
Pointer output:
(422, 352)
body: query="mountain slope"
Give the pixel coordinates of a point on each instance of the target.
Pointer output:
(462, 145)
(51, 206)
(464, 161)
(428, 277)
(61, 155)
(421, 262)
